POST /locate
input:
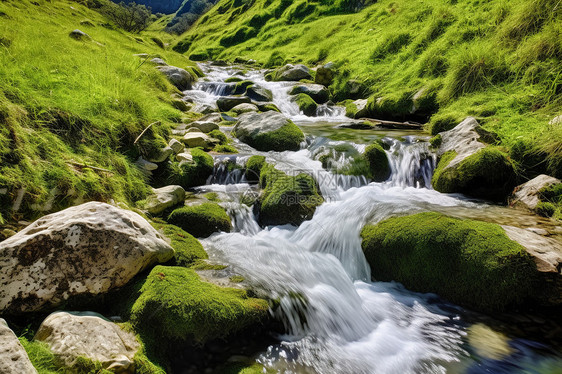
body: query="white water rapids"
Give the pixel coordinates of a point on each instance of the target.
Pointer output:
(336, 319)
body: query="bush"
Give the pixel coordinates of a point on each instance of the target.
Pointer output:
(201, 220)
(131, 17)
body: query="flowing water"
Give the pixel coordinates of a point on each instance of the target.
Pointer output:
(336, 319)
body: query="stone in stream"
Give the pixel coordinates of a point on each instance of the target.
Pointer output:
(293, 73)
(226, 103)
(527, 195)
(467, 165)
(259, 93)
(244, 108)
(184, 157)
(204, 108)
(379, 166)
(164, 198)
(269, 131)
(201, 219)
(179, 77)
(477, 264)
(197, 139)
(176, 145)
(357, 109)
(84, 250)
(317, 92)
(13, 357)
(306, 104)
(325, 74)
(204, 126)
(74, 335)
(158, 61)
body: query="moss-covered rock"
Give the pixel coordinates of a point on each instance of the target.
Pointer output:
(306, 104)
(241, 87)
(287, 199)
(487, 174)
(436, 141)
(394, 107)
(190, 174)
(201, 220)
(174, 303)
(253, 168)
(269, 131)
(187, 248)
(379, 166)
(468, 262)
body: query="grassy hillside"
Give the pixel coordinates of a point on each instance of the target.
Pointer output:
(498, 60)
(71, 109)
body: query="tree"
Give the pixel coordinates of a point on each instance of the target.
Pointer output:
(131, 17)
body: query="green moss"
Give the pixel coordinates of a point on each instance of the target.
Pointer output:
(436, 141)
(233, 79)
(306, 104)
(487, 174)
(187, 249)
(467, 262)
(392, 106)
(377, 159)
(288, 137)
(287, 199)
(545, 209)
(253, 168)
(175, 304)
(212, 196)
(237, 279)
(201, 220)
(225, 149)
(440, 123)
(41, 356)
(350, 108)
(269, 107)
(191, 174)
(221, 136)
(242, 368)
(241, 87)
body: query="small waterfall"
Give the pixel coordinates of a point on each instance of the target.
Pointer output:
(412, 163)
(325, 110)
(215, 88)
(242, 217)
(228, 170)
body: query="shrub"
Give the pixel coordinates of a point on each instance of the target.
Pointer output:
(131, 17)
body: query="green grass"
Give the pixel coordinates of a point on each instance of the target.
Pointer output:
(468, 262)
(66, 105)
(500, 62)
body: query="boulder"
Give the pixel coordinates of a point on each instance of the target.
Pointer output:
(379, 166)
(178, 77)
(74, 335)
(204, 126)
(204, 108)
(306, 104)
(226, 103)
(79, 35)
(357, 109)
(354, 89)
(293, 73)
(196, 139)
(556, 120)
(176, 145)
(13, 357)
(161, 155)
(468, 262)
(84, 250)
(212, 117)
(269, 131)
(527, 195)
(164, 198)
(201, 220)
(259, 93)
(468, 166)
(317, 92)
(325, 74)
(191, 172)
(145, 166)
(180, 105)
(266, 107)
(158, 61)
(184, 157)
(244, 108)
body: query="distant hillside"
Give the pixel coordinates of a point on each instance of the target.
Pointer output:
(496, 60)
(159, 6)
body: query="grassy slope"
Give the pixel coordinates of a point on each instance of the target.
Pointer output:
(64, 101)
(497, 60)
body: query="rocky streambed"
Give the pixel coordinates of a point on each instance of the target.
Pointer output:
(283, 236)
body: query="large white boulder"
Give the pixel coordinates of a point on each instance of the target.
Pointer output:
(527, 194)
(13, 358)
(71, 335)
(84, 250)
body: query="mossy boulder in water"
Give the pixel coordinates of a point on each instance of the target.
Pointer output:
(287, 199)
(191, 174)
(317, 92)
(306, 104)
(269, 131)
(175, 304)
(187, 248)
(253, 168)
(467, 262)
(377, 159)
(201, 220)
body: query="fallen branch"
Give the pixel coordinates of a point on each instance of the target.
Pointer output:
(394, 124)
(143, 132)
(80, 165)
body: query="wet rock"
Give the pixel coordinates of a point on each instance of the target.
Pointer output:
(527, 194)
(358, 109)
(269, 131)
(176, 145)
(317, 92)
(259, 93)
(164, 198)
(84, 250)
(177, 76)
(71, 335)
(212, 117)
(13, 358)
(325, 74)
(266, 107)
(79, 35)
(244, 108)
(293, 73)
(204, 108)
(226, 103)
(180, 105)
(306, 104)
(162, 155)
(204, 126)
(196, 139)
(467, 165)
